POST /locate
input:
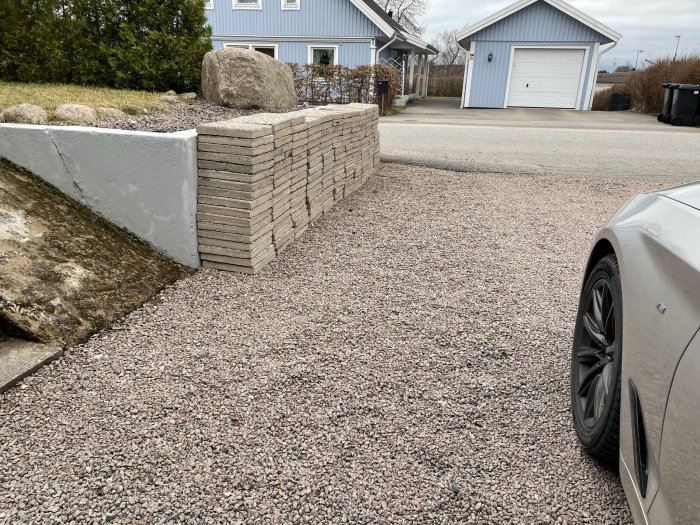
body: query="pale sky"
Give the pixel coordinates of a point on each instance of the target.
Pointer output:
(649, 25)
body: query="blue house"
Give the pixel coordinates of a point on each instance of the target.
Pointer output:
(338, 32)
(534, 53)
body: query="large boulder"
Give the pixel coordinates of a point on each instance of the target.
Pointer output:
(76, 114)
(245, 79)
(170, 99)
(135, 110)
(107, 112)
(25, 114)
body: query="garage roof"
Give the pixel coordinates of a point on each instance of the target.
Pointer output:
(559, 4)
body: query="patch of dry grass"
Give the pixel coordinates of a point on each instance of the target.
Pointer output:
(646, 86)
(49, 96)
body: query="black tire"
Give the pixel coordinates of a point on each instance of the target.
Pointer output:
(596, 363)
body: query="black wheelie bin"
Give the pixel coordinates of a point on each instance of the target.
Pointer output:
(686, 102)
(665, 114)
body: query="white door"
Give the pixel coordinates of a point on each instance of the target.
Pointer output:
(546, 78)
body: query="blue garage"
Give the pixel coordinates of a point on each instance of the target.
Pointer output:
(534, 53)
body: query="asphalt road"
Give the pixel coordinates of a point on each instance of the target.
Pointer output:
(553, 142)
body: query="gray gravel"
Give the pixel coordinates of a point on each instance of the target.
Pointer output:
(405, 362)
(186, 115)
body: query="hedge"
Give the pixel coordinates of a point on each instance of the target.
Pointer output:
(139, 44)
(318, 84)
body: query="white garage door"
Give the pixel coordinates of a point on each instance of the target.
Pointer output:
(546, 78)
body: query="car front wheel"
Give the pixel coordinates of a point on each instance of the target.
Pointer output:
(596, 363)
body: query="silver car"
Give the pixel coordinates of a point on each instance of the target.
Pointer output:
(635, 367)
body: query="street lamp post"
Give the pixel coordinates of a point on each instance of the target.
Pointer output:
(636, 63)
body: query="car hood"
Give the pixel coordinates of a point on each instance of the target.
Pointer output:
(688, 194)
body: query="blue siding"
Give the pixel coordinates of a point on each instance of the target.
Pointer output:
(316, 18)
(537, 24)
(350, 54)
(489, 79)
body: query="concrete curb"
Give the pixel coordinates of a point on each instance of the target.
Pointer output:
(19, 359)
(463, 166)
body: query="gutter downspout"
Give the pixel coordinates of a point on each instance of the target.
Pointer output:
(377, 52)
(376, 55)
(593, 84)
(608, 48)
(467, 65)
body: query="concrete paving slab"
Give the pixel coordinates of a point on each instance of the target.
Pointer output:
(18, 359)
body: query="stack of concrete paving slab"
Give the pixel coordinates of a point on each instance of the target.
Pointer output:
(264, 178)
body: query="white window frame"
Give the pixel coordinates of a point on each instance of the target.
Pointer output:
(255, 6)
(253, 46)
(336, 49)
(209, 4)
(287, 7)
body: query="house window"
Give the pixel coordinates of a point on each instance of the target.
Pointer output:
(266, 49)
(209, 4)
(323, 55)
(290, 5)
(247, 4)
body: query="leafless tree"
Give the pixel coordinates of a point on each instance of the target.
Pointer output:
(449, 52)
(407, 12)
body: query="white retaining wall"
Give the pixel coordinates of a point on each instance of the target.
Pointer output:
(143, 182)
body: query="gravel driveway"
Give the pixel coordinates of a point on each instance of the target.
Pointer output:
(405, 362)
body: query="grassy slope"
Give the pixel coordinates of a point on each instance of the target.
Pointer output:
(48, 96)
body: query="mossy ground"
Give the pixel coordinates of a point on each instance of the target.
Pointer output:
(65, 272)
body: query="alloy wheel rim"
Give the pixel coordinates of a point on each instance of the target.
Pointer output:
(596, 351)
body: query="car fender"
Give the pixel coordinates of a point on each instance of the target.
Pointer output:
(656, 242)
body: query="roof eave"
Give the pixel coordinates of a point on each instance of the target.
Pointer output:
(374, 17)
(417, 42)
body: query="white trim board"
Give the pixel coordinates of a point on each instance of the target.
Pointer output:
(582, 81)
(287, 38)
(593, 77)
(558, 4)
(468, 74)
(253, 45)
